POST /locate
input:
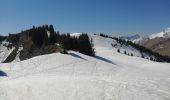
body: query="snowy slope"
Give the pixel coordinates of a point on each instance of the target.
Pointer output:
(108, 76)
(113, 45)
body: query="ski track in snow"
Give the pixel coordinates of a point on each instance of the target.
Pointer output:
(65, 77)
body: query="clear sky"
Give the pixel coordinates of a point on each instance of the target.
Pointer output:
(117, 17)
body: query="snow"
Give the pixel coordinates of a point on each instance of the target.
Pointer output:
(140, 40)
(17, 59)
(137, 40)
(75, 34)
(5, 43)
(164, 34)
(48, 34)
(5, 52)
(161, 34)
(108, 76)
(101, 42)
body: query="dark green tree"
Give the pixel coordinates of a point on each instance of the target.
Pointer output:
(118, 50)
(85, 46)
(125, 52)
(53, 36)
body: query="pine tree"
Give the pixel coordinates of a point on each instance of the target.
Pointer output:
(52, 38)
(125, 52)
(142, 56)
(85, 46)
(39, 36)
(118, 50)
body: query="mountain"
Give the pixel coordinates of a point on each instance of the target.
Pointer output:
(157, 35)
(109, 75)
(159, 45)
(164, 34)
(157, 42)
(135, 39)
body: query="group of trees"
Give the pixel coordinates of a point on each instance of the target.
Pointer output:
(104, 35)
(81, 43)
(118, 50)
(2, 38)
(43, 35)
(46, 35)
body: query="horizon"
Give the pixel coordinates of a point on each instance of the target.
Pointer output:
(113, 17)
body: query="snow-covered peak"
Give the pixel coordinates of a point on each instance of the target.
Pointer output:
(161, 34)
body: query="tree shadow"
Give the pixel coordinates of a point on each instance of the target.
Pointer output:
(3, 73)
(77, 56)
(104, 59)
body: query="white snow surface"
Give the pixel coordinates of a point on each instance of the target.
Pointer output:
(108, 76)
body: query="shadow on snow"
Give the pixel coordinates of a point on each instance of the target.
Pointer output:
(97, 57)
(3, 73)
(104, 59)
(77, 56)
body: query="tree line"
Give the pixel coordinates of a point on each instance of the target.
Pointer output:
(46, 35)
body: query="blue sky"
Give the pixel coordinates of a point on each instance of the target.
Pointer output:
(117, 17)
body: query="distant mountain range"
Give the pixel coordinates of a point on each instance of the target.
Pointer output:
(158, 42)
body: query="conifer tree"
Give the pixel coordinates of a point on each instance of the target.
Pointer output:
(85, 45)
